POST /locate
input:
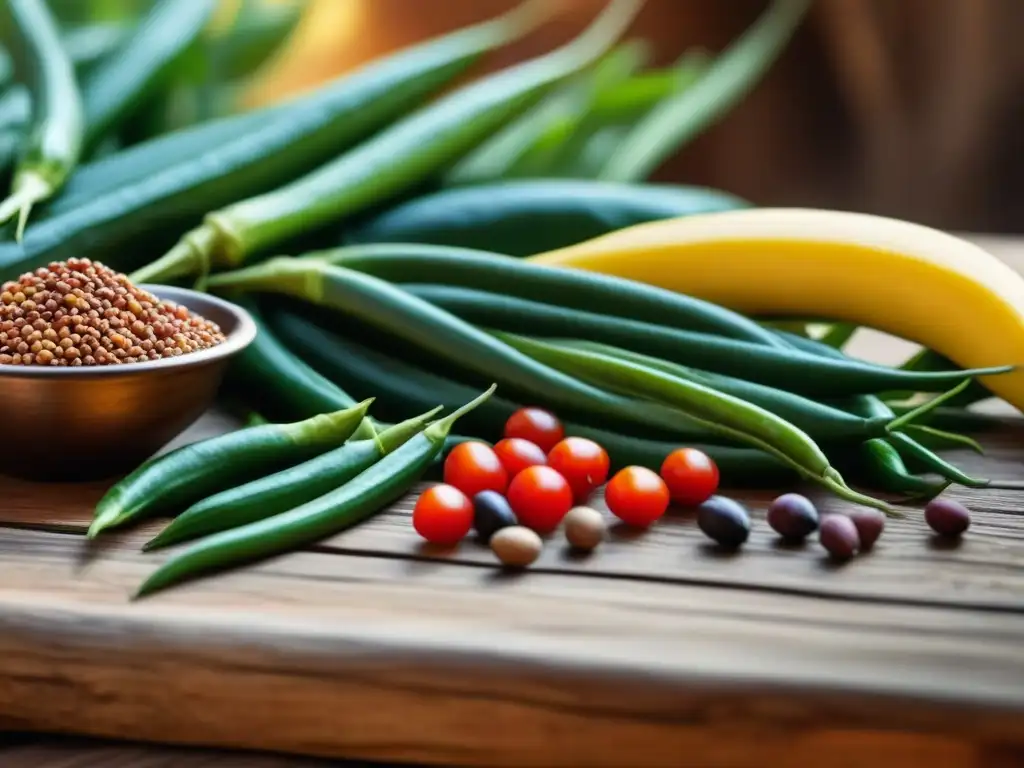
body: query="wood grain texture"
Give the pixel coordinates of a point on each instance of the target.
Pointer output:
(654, 650)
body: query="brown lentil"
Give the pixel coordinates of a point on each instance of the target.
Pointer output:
(79, 312)
(516, 546)
(585, 528)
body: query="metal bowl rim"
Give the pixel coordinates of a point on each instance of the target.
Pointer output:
(238, 339)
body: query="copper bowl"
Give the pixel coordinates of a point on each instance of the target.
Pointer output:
(92, 423)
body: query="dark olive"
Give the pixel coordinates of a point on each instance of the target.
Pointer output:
(491, 513)
(724, 521)
(947, 517)
(792, 516)
(869, 523)
(839, 536)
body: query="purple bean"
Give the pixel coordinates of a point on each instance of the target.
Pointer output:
(839, 536)
(947, 517)
(724, 521)
(793, 516)
(870, 523)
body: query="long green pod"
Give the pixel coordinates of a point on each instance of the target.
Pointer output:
(881, 467)
(122, 81)
(819, 420)
(503, 154)
(794, 370)
(278, 492)
(574, 288)
(54, 141)
(313, 129)
(382, 305)
(187, 474)
(731, 76)
(398, 158)
(400, 387)
(360, 498)
(723, 413)
(522, 217)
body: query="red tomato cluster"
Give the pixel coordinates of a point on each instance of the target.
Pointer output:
(543, 474)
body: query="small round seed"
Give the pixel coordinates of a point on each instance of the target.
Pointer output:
(516, 546)
(724, 521)
(491, 513)
(792, 516)
(869, 523)
(838, 535)
(585, 528)
(947, 517)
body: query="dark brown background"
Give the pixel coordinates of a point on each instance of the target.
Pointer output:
(910, 108)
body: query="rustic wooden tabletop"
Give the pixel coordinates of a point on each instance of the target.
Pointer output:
(657, 650)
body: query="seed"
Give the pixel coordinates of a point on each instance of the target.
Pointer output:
(724, 521)
(585, 528)
(516, 546)
(869, 523)
(839, 536)
(947, 517)
(793, 516)
(491, 513)
(71, 303)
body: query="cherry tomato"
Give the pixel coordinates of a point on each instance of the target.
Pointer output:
(473, 467)
(536, 425)
(691, 476)
(637, 496)
(516, 454)
(540, 497)
(443, 514)
(582, 462)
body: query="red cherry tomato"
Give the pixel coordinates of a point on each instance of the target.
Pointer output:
(443, 514)
(473, 467)
(691, 476)
(540, 498)
(637, 496)
(536, 425)
(516, 454)
(582, 462)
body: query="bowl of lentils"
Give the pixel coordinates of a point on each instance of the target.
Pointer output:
(97, 374)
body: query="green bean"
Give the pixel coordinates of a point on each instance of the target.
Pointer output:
(360, 498)
(730, 76)
(401, 386)
(573, 288)
(800, 371)
(715, 410)
(189, 473)
(817, 419)
(284, 490)
(383, 305)
(54, 141)
(397, 159)
(120, 83)
(938, 439)
(885, 470)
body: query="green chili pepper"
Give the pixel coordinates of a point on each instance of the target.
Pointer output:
(189, 473)
(398, 158)
(730, 416)
(400, 386)
(383, 305)
(884, 469)
(284, 490)
(360, 498)
(54, 141)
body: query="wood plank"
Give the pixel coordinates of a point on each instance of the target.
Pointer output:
(386, 658)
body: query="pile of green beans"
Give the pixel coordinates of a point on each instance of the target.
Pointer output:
(651, 370)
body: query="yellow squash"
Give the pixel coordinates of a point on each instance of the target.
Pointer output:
(905, 279)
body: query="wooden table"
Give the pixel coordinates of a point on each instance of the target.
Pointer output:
(655, 651)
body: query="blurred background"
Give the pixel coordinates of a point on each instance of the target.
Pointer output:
(909, 108)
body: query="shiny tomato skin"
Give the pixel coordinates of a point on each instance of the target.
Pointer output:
(540, 498)
(517, 453)
(582, 462)
(473, 467)
(443, 514)
(536, 425)
(691, 476)
(637, 496)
